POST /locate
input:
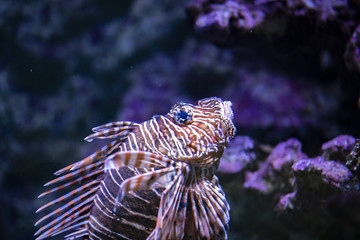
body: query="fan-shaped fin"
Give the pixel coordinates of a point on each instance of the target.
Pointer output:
(166, 226)
(219, 196)
(95, 157)
(168, 230)
(81, 233)
(64, 207)
(77, 234)
(220, 209)
(77, 173)
(137, 159)
(73, 225)
(74, 214)
(114, 125)
(60, 221)
(194, 211)
(113, 133)
(143, 181)
(218, 226)
(205, 230)
(112, 130)
(179, 225)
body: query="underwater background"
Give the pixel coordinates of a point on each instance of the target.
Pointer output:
(290, 67)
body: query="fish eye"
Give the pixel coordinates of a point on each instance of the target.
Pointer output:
(183, 116)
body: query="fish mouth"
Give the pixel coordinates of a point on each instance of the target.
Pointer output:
(227, 115)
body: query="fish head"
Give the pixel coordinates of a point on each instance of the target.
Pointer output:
(205, 129)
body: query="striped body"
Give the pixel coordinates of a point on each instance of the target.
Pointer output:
(156, 180)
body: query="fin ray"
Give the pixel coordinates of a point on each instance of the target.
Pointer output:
(114, 125)
(65, 206)
(96, 156)
(69, 195)
(137, 159)
(74, 174)
(76, 211)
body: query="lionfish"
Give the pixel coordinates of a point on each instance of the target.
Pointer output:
(155, 180)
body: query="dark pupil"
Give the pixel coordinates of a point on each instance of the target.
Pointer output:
(183, 116)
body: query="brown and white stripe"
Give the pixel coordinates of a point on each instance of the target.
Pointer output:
(154, 181)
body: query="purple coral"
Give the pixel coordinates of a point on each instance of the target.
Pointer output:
(325, 9)
(303, 189)
(286, 201)
(283, 156)
(290, 174)
(331, 172)
(239, 154)
(286, 153)
(257, 180)
(322, 176)
(220, 20)
(338, 148)
(228, 22)
(227, 16)
(223, 20)
(340, 143)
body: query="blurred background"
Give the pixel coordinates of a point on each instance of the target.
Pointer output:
(290, 68)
